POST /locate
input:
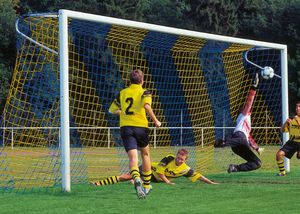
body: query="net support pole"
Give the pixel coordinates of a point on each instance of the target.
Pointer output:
(285, 100)
(64, 101)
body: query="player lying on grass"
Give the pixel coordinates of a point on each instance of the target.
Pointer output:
(240, 140)
(291, 125)
(168, 168)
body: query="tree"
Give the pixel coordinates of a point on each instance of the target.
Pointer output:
(43, 6)
(7, 47)
(126, 9)
(290, 34)
(275, 21)
(167, 12)
(214, 16)
(7, 36)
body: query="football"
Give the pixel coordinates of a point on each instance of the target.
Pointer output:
(267, 72)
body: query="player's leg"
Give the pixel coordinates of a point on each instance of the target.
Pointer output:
(279, 159)
(287, 150)
(298, 151)
(298, 154)
(113, 180)
(235, 139)
(135, 174)
(146, 169)
(245, 152)
(143, 143)
(133, 163)
(130, 144)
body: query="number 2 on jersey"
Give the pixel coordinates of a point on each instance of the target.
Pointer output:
(130, 101)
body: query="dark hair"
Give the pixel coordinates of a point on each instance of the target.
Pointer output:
(298, 102)
(136, 76)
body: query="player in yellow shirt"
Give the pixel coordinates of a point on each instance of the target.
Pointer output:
(166, 170)
(131, 105)
(293, 144)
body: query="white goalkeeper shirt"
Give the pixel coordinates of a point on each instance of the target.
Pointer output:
(243, 122)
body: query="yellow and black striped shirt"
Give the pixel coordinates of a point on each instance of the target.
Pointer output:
(294, 129)
(131, 101)
(167, 166)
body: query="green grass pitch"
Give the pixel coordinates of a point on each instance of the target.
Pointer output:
(252, 192)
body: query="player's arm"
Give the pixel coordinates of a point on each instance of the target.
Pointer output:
(252, 142)
(195, 176)
(115, 107)
(147, 105)
(165, 179)
(251, 96)
(161, 167)
(150, 112)
(206, 180)
(285, 126)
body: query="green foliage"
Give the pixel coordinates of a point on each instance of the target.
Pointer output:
(167, 12)
(7, 35)
(123, 9)
(42, 6)
(5, 77)
(294, 80)
(7, 47)
(275, 21)
(288, 17)
(267, 20)
(214, 16)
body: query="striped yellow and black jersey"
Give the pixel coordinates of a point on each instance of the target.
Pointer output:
(167, 166)
(131, 102)
(294, 129)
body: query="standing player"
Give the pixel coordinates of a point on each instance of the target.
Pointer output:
(293, 144)
(166, 170)
(131, 105)
(241, 141)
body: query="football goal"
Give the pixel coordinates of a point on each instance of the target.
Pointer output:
(56, 128)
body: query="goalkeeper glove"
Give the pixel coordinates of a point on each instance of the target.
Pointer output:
(255, 82)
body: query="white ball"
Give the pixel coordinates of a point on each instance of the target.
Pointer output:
(267, 72)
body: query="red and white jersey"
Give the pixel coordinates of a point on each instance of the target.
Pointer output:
(243, 122)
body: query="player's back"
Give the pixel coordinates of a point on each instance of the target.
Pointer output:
(132, 101)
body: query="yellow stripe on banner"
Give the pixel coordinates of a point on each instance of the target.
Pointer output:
(237, 80)
(186, 58)
(239, 83)
(28, 64)
(125, 46)
(188, 65)
(85, 104)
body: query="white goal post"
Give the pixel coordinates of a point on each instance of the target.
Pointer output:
(64, 15)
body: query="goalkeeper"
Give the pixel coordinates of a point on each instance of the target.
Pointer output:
(241, 141)
(293, 144)
(166, 170)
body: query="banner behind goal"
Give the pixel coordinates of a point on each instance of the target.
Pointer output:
(69, 67)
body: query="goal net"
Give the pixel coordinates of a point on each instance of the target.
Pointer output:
(198, 83)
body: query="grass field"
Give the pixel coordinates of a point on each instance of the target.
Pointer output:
(251, 192)
(259, 191)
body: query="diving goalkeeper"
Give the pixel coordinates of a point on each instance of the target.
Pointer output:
(166, 170)
(241, 141)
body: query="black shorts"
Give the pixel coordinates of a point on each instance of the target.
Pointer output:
(290, 147)
(134, 137)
